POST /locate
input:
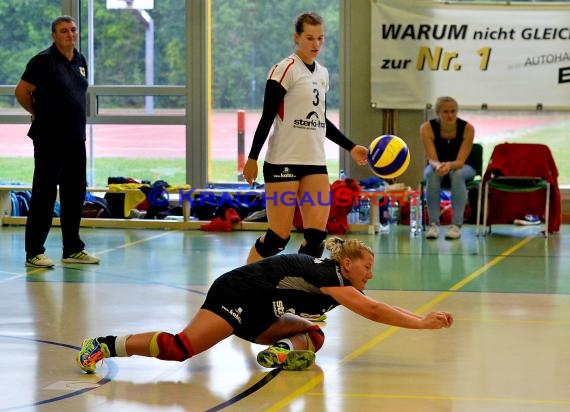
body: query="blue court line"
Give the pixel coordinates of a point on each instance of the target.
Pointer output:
(111, 373)
(113, 275)
(254, 388)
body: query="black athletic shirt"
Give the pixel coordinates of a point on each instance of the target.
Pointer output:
(448, 149)
(252, 297)
(60, 99)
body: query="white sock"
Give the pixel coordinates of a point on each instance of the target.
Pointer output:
(285, 343)
(121, 346)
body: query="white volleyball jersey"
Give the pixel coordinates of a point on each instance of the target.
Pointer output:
(299, 127)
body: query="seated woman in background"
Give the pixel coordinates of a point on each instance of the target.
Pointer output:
(447, 142)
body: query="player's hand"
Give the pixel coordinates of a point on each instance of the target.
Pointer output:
(250, 170)
(359, 154)
(437, 320)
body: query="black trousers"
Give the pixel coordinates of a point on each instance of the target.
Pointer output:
(56, 164)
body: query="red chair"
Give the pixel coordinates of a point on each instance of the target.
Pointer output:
(521, 179)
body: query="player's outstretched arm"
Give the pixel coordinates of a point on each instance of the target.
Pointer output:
(381, 312)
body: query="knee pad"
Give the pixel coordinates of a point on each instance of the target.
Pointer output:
(165, 346)
(315, 338)
(314, 242)
(271, 245)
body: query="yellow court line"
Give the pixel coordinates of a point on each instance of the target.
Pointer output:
(450, 398)
(463, 282)
(16, 275)
(126, 245)
(390, 331)
(102, 252)
(514, 321)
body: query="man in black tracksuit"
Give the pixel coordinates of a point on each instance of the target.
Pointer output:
(53, 89)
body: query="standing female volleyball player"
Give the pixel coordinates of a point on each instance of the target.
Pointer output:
(295, 163)
(261, 303)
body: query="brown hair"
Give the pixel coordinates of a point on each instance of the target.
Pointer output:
(346, 248)
(310, 18)
(61, 19)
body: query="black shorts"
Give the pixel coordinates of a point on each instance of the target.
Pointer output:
(286, 173)
(248, 315)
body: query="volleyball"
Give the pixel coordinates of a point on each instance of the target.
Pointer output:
(388, 156)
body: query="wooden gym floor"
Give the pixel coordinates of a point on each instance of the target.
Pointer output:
(508, 350)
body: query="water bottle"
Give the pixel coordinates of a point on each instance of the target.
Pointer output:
(420, 215)
(415, 214)
(341, 174)
(364, 210)
(354, 215)
(384, 219)
(393, 211)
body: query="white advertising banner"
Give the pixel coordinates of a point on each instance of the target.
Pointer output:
(490, 57)
(130, 4)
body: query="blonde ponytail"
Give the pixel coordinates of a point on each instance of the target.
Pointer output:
(346, 248)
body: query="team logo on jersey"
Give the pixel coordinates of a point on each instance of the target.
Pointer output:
(278, 308)
(82, 71)
(311, 122)
(286, 173)
(315, 317)
(236, 313)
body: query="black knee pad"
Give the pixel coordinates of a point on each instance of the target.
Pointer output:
(315, 242)
(271, 245)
